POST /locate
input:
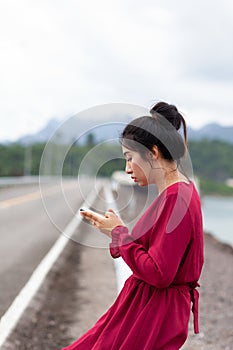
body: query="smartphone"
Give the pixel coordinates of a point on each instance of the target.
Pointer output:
(93, 212)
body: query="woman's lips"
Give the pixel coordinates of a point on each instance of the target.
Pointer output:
(134, 178)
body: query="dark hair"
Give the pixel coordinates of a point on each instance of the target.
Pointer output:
(160, 129)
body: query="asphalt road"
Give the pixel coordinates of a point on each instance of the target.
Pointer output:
(31, 220)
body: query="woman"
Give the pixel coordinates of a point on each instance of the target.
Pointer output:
(164, 249)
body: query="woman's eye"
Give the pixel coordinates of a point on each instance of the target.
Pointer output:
(129, 159)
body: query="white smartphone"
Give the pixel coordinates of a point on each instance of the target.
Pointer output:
(93, 212)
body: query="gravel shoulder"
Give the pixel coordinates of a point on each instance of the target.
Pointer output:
(79, 288)
(216, 303)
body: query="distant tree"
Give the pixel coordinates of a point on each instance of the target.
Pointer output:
(90, 140)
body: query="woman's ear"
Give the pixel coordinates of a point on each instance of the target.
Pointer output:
(154, 153)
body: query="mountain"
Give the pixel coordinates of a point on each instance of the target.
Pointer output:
(42, 135)
(105, 126)
(75, 131)
(103, 122)
(212, 132)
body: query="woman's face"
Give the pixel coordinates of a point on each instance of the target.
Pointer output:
(137, 167)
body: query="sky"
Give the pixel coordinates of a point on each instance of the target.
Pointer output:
(60, 57)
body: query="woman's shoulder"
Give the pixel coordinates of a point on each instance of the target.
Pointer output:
(181, 191)
(178, 188)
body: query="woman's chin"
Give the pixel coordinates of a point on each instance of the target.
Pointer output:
(142, 184)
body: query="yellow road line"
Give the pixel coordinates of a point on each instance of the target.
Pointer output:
(33, 196)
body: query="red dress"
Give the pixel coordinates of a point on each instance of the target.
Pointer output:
(165, 254)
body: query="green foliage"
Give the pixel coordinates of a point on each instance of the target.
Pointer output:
(215, 188)
(11, 160)
(101, 160)
(109, 167)
(212, 160)
(14, 156)
(36, 153)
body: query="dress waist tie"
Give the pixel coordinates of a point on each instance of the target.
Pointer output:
(194, 299)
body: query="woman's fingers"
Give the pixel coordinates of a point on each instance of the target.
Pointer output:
(90, 216)
(104, 223)
(110, 213)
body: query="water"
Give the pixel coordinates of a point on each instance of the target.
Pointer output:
(218, 217)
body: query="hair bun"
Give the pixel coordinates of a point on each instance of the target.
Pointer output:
(170, 112)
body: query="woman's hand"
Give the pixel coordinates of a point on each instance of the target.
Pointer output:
(104, 223)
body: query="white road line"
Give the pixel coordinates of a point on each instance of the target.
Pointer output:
(15, 311)
(122, 269)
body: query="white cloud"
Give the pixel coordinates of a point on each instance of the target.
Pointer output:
(60, 57)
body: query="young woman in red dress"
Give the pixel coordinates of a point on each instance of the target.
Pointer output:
(164, 249)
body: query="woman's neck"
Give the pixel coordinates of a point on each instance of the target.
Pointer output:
(168, 176)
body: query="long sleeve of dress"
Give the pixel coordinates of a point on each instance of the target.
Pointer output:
(169, 238)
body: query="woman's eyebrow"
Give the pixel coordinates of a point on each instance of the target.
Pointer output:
(126, 153)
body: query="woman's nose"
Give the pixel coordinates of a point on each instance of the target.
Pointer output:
(128, 169)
